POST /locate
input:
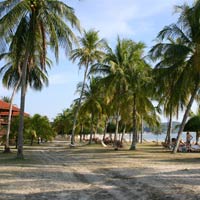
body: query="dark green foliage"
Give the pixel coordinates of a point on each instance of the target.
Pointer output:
(193, 124)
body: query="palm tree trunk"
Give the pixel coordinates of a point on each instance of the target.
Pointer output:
(97, 126)
(117, 128)
(142, 130)
(32, 138)
(134, 136)
(78, 106)
(185, 117)
(81, 133)
(105, 129)
(22, 106)
(92, 128)
(7, 146)
(169, 129)
(123, 133)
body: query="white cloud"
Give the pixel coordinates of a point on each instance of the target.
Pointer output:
(115, 17)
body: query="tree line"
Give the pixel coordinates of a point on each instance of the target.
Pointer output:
(118, 83)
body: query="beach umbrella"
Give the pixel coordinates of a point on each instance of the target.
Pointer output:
(193, 125)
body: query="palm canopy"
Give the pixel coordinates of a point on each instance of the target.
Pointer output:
(91, 97)
(193, 124)
(11, 73)
(178, 45)
(178, 48)
(112, 68)
(48, 22)
(90, 49)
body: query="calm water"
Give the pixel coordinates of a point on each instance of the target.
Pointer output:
(153, 137)
(161, 137)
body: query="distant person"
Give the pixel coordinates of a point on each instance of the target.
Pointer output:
(188, 138)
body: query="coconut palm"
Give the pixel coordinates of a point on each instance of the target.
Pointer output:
(88, 53)
(45, 24)
(125, 73)
(91, 103)
(63, 122)
(36, 78)
(11, 72)
(112, 68)
(169, 95)
(184, 54)
(166, 75)
(139, 78)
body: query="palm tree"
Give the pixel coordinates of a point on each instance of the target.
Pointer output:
(139, 79)
(45, 24)
(166, 75)
(36, 78)
(91, 103)
(125, 75)
(112, 69)
(42, 127)
(185, 54)
(63, 122)
(88, 53)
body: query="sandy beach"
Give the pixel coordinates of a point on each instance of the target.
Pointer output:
(54, 171)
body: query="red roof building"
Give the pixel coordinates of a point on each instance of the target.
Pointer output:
(4, 112)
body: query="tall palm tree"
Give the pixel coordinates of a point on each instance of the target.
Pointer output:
(139, 79)
(88, 53)
(166, 75)
(125, 74)
(112, 68)
(45, 24)
(91, 103)
(36, 78)
(185, 55)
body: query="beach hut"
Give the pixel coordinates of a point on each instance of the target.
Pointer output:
(193, 125)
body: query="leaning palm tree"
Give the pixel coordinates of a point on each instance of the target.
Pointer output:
(168, 93)
(88, 53)
(184, 54)
(46, 24)
(169, 96)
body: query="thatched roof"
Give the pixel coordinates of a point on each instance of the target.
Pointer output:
(193, 124)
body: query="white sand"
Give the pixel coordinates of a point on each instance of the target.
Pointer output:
(59, 173)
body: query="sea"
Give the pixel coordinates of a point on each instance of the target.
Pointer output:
(148, 136)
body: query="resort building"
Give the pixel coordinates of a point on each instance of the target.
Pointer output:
(4, 112)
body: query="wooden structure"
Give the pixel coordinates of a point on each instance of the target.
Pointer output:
(4, 112)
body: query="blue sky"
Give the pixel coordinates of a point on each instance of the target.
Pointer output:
(139, 20)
